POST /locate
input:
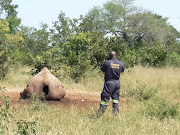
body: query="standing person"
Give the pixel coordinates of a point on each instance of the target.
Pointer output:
(112, 69)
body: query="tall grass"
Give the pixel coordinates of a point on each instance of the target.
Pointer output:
(159, 114)
(17, 78)
(165, 80)
(59, 120)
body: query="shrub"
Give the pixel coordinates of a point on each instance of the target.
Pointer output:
(174, 59)
(160, 108)
(5, 114)
(37, 104)
(124, 52)
(76, 55)
(129, 58)
(8, 43)
(142, 92)
(26, 128)
(153, 56)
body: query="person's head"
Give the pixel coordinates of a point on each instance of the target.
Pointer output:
(112, 54)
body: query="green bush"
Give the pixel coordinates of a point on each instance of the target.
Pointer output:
(21, 55)
(50, 58)
(152, 56)
(174, 59)
(37, 104)
(160, 108)
(142, 92)
(124, 53)
(98, 49)
(129, 59)
(26, 128)
(3, 61)
(76, 55)
(5, 112)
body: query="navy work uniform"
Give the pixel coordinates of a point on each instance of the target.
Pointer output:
(112, 69)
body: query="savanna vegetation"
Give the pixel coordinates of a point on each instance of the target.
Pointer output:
(74, 49)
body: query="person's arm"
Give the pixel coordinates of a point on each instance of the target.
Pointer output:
(103, 67)
(123, 68)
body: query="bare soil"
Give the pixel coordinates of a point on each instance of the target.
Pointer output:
(83, 99)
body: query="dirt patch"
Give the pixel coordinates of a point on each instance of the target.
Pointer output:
(71, 99)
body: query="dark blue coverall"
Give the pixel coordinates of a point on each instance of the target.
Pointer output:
(112, 69)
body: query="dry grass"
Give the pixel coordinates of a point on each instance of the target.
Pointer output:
(165, 80)
(17, 78)
(76, 121)
(60, 120)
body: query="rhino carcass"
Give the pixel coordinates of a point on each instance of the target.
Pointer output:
(44, 83)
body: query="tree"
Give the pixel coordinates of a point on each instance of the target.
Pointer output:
(62, 29)
(7, 9)
(76, 54)
(36, 40)
(127, 10)
(124, 52)
(150, 29)
(98, 49)
(9, 12)
(111, 18)
(8, 43)
(92, 21)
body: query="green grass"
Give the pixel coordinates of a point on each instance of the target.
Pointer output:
(76, 121)
(151, 116)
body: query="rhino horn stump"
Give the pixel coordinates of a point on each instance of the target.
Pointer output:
(44, 83)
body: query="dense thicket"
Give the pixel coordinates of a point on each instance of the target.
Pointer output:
(73, 46)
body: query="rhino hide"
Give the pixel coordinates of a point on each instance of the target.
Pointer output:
(44, 83)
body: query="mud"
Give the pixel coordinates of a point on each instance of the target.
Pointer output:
(71, 99)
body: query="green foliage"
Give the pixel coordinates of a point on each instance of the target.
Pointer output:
(9, 8)
(8, 41)
(62, 29)
(3, 65)
(73, 46)
(22, 56)
(76, 56)
(26, 128)
(160, 108)
(130, 58)
(153, 56)
(124, 53)
(37, 104)
(174, 59)
(142, 92)
(98, 49)
(51, 59)
(14, 22)
(91, 21)
(5, 113)
(146, 28)
(36, 40)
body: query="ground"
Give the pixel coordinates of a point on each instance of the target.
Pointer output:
(79, 99)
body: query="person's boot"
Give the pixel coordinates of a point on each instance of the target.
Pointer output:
(101, 110)
(115, 110)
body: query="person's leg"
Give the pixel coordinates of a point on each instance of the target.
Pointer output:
(109, 87)
(115, 98)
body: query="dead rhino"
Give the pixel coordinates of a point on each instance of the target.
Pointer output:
(44, 83)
